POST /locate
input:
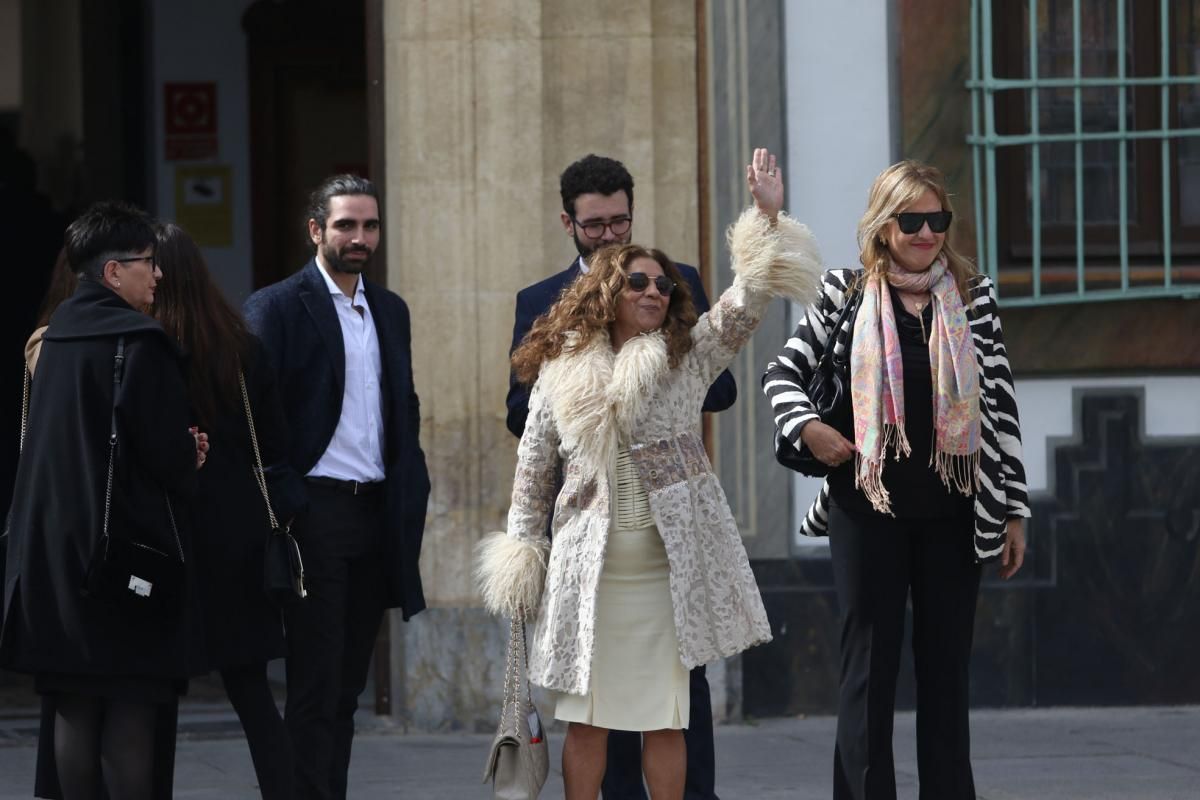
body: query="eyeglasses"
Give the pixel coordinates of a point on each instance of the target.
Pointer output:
(640, 282)
(594, 230)
(912, 221)
(132, 259)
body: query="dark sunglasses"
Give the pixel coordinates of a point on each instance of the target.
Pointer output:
(912, 221)
(640, 281)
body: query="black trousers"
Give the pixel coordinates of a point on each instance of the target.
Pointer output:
(331, 634)
(270, 745)
(623, 775)
(877, 562)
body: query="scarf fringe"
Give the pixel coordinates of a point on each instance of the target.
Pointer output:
(959, 471)
(868, 475)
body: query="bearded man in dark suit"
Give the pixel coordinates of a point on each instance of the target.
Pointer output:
(341, 348)
(597, 197)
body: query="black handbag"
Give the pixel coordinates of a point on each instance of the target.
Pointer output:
(283, 568)
(829, 391)
(134, 577)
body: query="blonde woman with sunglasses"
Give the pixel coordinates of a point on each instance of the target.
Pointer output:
(644, 575)
(925, 482)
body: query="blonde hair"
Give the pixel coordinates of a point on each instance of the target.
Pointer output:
(589, 306)
(896, 188)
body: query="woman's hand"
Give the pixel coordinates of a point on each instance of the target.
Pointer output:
(764, 179)
(826, 443)
(201, 445)
(1013, 554)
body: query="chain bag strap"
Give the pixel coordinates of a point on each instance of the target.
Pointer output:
(283, 565)
(24, 410)
(515, 676)
(20, 449)
(519, 759)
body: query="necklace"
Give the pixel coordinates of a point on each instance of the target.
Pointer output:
(918, 312)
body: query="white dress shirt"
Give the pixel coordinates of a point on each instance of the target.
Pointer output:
(355, 453)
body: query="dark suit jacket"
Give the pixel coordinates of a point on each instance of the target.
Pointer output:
(299, 328)
(535, 300)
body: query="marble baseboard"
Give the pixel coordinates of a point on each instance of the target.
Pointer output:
(1100, 615)
(448, 673)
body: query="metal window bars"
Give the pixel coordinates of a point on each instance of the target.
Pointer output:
(984, 141)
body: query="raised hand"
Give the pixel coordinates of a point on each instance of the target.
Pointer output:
(764, 179)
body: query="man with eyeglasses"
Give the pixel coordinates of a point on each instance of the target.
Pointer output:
(597, 197)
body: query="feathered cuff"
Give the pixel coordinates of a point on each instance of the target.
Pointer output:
(510, 573)
(778, 261)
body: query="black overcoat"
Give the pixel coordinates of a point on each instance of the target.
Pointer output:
(49, 624)
(241, 625)
(299, 328)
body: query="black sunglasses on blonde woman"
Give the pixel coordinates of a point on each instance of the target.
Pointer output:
(911, 221)
(640, 281)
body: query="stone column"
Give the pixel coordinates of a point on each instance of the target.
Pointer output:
(486, 102)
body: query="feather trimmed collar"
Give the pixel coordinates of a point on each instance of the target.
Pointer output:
(597, 395)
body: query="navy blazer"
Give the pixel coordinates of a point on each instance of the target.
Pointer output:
(535, 300)
(299, 328)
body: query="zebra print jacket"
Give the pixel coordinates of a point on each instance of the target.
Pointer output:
(1002, 493)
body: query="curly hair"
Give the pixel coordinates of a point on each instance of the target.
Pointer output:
(589, 306)
(594, 174)
(896, 188)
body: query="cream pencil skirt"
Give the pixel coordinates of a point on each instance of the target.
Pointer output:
(638, 682)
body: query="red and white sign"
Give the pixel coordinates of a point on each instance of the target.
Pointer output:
(190, 111)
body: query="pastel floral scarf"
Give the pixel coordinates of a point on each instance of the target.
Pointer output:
(877, 384)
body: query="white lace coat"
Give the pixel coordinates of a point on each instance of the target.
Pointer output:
(587, 401)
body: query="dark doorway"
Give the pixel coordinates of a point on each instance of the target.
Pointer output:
(79, 133)
(308, 117)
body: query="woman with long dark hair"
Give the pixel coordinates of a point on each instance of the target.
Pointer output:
(243, 629)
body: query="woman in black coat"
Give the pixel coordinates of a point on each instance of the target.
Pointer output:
(243, 630)
(108, 671)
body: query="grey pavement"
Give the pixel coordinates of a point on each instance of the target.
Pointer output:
(1147, 753)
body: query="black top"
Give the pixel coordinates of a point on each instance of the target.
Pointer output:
(916, 490)
(241, 626)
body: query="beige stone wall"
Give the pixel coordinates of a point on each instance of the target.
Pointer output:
(486, 102)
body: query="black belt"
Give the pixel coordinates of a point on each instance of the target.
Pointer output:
(350, 487)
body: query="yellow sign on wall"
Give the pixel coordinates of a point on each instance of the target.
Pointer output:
(204, 203)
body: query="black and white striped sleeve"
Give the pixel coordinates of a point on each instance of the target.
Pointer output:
(789, 372)
(1003, 473)
(1008, 424)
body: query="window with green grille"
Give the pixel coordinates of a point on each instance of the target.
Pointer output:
(1086, 147)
